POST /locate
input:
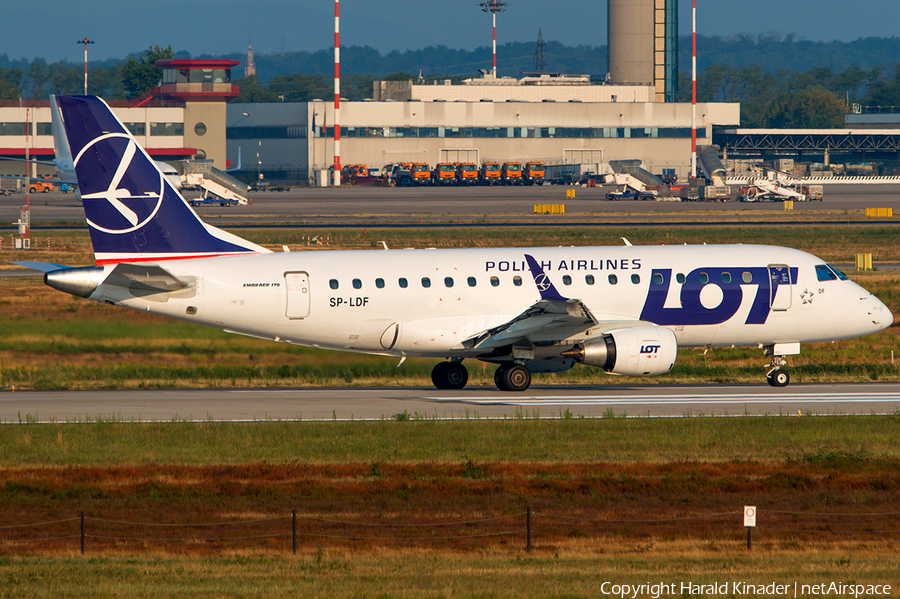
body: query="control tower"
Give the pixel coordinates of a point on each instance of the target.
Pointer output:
(643, 45)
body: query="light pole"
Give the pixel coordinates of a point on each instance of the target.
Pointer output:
(85, 41)
(493, 7)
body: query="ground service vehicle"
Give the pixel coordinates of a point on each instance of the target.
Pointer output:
(533, 173)
(466, 173)
(489, 174)
(511, 174)
(444, 173)
(398, 174)
(420, 173)
(37, 185)
(9, 186)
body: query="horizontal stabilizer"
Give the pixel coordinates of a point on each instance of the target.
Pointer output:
(39, 266)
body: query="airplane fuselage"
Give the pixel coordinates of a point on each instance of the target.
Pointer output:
(427, 302)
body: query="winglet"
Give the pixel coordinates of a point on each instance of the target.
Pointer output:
(542, 281)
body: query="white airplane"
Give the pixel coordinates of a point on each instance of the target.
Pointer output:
(623, 309)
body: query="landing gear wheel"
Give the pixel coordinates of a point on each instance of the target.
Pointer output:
(456, 375)
(449, 375)
(778, 378)
(498, 378)
(437, 374)
(516, 378)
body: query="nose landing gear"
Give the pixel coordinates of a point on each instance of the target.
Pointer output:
(777, 376)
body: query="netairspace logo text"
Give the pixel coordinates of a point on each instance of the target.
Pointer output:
(745, 589)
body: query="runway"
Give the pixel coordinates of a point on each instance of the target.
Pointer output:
(253, 405)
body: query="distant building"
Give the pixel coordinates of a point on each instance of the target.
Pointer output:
(250, 67)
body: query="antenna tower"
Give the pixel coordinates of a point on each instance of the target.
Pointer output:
(540, 65)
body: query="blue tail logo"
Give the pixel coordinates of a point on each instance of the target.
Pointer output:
(134, 213)
(123, 178)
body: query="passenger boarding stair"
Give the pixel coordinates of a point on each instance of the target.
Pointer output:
(773, 184)
(632, 181)
(202, 174)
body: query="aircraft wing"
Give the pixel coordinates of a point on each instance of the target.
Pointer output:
(545, 316)
(69, 182)
(553, 313)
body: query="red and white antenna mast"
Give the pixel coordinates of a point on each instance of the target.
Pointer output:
(694, 92)
(493, 7)
(85, 40)
(337, 93)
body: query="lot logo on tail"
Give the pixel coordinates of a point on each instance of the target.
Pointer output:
(121, 177)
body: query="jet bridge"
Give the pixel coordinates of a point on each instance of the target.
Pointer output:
(202, 174)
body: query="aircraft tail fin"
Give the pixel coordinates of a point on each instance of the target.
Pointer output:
(134, 213)
(60, 143)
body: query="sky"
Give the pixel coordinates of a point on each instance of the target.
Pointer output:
(51, 28)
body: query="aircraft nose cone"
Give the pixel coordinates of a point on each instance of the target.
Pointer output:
(880, 314)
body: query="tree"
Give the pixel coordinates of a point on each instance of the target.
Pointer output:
(11, 83)
(141, 74)
(253, 91)
(814, 108)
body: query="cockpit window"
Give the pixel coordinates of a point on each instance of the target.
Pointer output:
(839, 274)
(823, 273)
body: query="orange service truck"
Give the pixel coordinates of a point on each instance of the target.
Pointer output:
(444, 173)
(466, 173)
(511, 173)
(420, 173)
(489, 173)
(533, 173)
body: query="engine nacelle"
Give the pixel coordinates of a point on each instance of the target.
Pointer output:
(635, 351)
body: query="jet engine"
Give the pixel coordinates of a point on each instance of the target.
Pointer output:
(635, 351)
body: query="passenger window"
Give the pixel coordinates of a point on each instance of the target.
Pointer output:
(517, 281)
(747, 277)
(567, 280)
(333, 283)
(589, 279)
(823, 273)
(658, 278)
(379, 283)
(704, 278)
(613, 279)
(636, 279)
(448, 281)
(357, 284)
(680, 278)
(495, 282)
(426, 282)
(403, 283)
(726, 277)
(471, 281)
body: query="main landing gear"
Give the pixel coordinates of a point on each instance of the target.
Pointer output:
(449, 375)
(508, 377)
(512, 377)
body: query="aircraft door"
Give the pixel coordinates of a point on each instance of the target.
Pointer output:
(296, 285)
(780, 289)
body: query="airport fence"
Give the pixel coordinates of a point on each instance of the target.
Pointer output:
(285, 532)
